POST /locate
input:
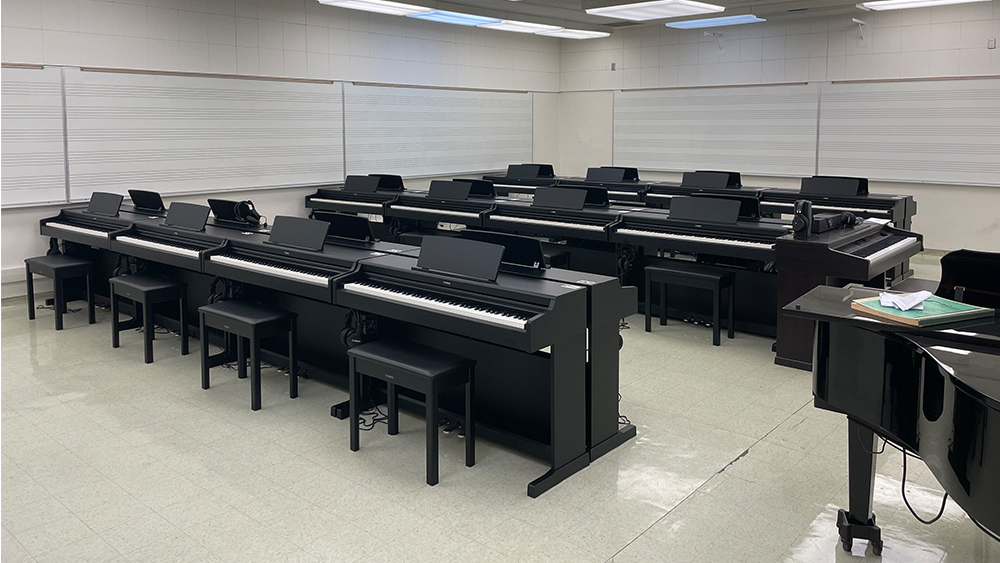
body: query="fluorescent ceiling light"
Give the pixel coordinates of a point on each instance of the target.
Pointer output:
(454, 17)
(380, 6)
(641, 11)
(716, 22)
(574, 33)
(521, 27)
(904, 4)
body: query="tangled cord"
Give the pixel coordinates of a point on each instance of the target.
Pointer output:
(53, 308)
(622, 419)
(377, 417)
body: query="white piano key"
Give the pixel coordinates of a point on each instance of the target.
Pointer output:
(271, 270)
(363, 204)
(899, 247)
(692, 238)
(75, 229)
(161, 247)
(561, 224)
(414, 300)
(433, 211)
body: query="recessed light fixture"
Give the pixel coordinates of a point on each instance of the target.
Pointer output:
(456, 18)
(574, 33)
(715, 22)
(379, 6)
(521, 27)
(905, 4)
(657, 9)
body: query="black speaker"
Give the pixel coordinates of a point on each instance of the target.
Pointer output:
(246, 212)
(802, 221)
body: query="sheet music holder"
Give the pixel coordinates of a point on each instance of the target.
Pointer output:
(361, 184)
(143, 200)
(596, 197)
(225, 210)
(605, 174)
(708, 209)
(443, 189)
(105, 204)
(188, 216)
(345, 226)
(460, 257)
(530, 171)
(711, 179)
(628, 174)
(389, 182)
(298, 232)
(560, 198)
(749, 205)
(479, 188)
(518, 250)
(843, 186)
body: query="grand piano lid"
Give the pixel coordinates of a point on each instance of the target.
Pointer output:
(976, 367)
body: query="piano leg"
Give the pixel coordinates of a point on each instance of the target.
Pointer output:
(859, 521)
(567, 415)
(241, 357)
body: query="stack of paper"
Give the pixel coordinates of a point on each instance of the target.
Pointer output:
(905, 301)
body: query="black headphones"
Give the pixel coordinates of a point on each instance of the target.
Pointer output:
(803, 219)
(849, 219)
(245, 211)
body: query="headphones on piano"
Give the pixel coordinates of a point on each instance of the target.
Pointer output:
(803, 218)
(848, 219)
(245, 211)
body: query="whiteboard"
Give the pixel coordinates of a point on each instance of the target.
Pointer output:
(33, 167)
(944, 131)
(179, 134)
(423, 132)
(768, 130)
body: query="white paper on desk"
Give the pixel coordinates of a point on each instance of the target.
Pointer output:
(905, 302)
(878, 221)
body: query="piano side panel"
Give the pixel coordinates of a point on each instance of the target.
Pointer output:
(872, 379)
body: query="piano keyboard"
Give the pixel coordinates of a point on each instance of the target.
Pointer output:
(436, 211)
(272, 269)
(468, 310)
(75, 229)
(185, 251)
(886, 247)
(364, 204)
(828, 208)
(692, 238)
(560, 224)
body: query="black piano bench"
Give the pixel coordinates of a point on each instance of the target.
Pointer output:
(421, 369)
(250, 322)
(692, 275)
(146, 290)
(59, 267)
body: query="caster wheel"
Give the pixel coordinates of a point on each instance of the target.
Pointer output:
(877, 548)
(846, 544)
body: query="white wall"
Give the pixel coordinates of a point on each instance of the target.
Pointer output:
(288, 38)
(942, 41)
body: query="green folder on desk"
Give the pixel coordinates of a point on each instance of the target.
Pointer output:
(937, 310)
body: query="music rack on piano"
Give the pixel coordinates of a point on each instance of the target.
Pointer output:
(862, 253)
(359, 194)
(834, 194)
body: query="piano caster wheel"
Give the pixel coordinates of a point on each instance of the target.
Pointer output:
(877, 548)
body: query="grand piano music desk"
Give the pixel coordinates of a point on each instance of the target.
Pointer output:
(933, 391)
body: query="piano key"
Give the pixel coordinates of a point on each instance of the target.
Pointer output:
(692, 238)
(561, 224)
(476, 312)
(433, 211)
(75, 229)
(363, 204)
(272, 269)
(898, 247)
(187, 252)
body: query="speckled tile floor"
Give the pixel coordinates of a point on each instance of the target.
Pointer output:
(105, 458)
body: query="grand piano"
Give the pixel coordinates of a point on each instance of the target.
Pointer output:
(933, 392)
(862, 253)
